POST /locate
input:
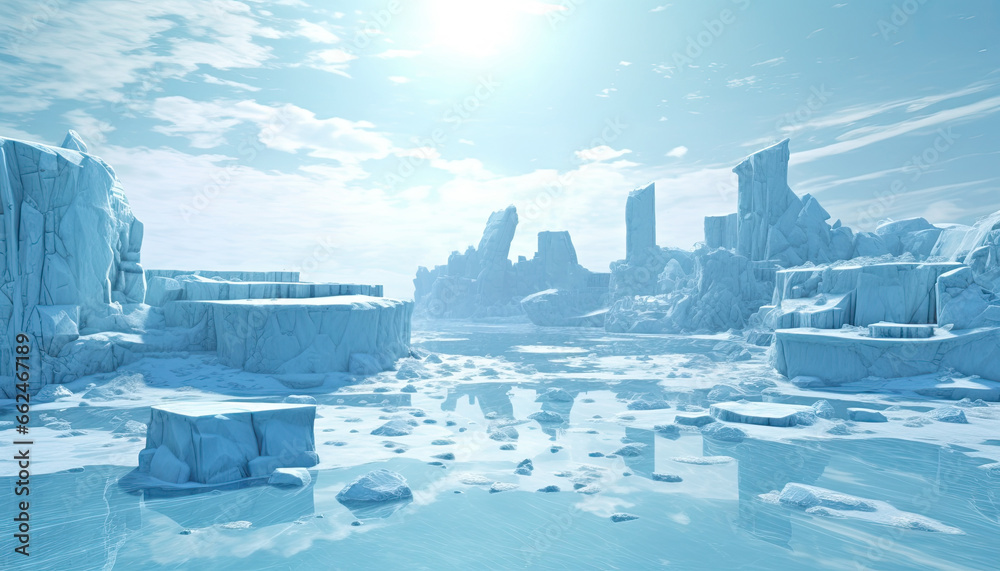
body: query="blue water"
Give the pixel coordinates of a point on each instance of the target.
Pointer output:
(85, 520)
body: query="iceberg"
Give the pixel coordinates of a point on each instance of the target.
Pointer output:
(482, 282)
(215, 443)
(376, 486)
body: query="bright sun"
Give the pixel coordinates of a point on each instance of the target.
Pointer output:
(475, 27)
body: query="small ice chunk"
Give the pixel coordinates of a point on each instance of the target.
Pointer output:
(823, 409)
(524, 468)
(673, 478)
(504, 434)
(764, 413)
(51, 393)
(620, 517)
(394, 428)
(299, 399)
(377, 486)
(865, 415)
(671, 431)
(290, 477)
(471, 479)
(498, 487)
(549, 489)
(804, 496)
(556, 395)
(646, 403)
(723, 433)
(547, 417)
(948, 414)
(630, 450)
(724, 393)
(693, 420)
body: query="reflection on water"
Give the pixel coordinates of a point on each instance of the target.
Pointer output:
(714, 519)
(84, 520)
(260, 505)
(80, 519)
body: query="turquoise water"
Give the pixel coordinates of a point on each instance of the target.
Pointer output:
(84, 519)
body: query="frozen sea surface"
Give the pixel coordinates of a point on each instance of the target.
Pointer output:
(488, 379)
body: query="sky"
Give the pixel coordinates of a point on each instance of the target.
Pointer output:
(356, 141)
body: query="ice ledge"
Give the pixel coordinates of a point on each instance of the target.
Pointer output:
(846, 355)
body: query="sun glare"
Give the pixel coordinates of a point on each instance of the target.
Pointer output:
(474, 27)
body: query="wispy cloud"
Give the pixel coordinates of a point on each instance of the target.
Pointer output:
(677, 152)
(771, 62)
(316, 33)
(218, 33)
(874, 134)
(211, 79)
(335, 61)
(600, 153)
(93, 130)
(856, 114)
(741, 81)
(286, 128)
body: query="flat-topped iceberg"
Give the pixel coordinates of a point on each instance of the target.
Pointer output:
(214, 443)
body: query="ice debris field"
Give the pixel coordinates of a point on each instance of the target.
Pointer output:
(790, 394)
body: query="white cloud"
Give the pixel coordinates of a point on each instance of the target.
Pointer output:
(660, 8)
(335, 61)
(316, 33)
(607, 91)
(860, 138)
(227, 83)
(286, 128)
(741, 81)
(218, 33)
(851, 115)
(600, 153)
(398, 79)
(771, 62)
(93, 130)
(625, 63)
(678, 151)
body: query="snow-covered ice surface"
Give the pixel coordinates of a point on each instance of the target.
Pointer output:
(477, 500)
